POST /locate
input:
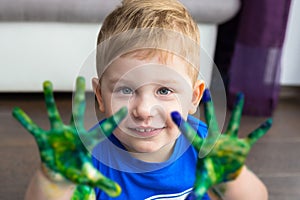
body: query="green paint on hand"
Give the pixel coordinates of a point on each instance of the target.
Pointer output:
(61, 148)
(227, 157)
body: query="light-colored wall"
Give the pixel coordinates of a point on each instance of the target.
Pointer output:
(291, 50)
(34, 52)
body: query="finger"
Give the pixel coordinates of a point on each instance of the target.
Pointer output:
(187, 130)
(26, 122)
(83, 192)
(87, 175)
(204, 180)
(53, 114)
(210, 116)
(96, 179)
(112, 122)
(95, 136)
(259, 132)
(77, 118)
(235, 119)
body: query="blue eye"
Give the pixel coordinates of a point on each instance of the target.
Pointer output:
(164, 91)
(126, 90)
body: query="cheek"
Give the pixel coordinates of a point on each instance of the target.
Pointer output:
(111, 105)
(179, 107)
(181, 104)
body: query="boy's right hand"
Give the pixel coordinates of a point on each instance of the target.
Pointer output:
(63, 155)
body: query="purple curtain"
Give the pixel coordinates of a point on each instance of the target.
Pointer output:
(255, 64)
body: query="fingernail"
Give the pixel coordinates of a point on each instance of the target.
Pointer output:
(47, 84)
(206, 96)
(176, 117)
(267, 123)
(239, 97)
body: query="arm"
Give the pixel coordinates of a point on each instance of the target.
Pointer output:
(67, 169)
(241, 188)
(41, 187)
(221, 157)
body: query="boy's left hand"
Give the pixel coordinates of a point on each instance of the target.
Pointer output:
(228, 152)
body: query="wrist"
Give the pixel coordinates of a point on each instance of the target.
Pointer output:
(41, 187)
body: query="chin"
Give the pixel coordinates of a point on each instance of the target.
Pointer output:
(146, 148)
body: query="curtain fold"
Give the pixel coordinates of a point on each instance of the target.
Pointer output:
(255, 63)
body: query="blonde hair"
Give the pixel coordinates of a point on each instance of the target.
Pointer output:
(163, 16)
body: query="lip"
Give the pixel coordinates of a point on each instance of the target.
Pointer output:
(146, 131)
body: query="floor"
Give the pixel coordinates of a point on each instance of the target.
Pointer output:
(274, 158)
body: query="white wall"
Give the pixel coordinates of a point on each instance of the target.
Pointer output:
(34, 52)
(31, 53)
(291, 49)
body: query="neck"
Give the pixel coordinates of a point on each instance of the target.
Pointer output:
(161, 155)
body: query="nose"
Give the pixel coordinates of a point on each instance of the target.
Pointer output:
(144, 107)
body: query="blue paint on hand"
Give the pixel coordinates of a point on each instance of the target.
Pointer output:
(206, 96)
(176, 117)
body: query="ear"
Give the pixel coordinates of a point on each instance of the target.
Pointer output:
(198, 90)
(97, 91)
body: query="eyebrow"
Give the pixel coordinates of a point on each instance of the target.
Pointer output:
(114, 80)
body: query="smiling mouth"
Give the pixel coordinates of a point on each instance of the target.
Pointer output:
(146, 132)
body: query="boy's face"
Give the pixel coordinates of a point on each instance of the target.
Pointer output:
(150, 91)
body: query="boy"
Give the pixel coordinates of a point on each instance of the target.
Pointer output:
(152, 73)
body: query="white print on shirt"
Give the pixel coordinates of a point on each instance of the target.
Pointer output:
(177, 196)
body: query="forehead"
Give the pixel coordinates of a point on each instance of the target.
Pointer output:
(135, 66)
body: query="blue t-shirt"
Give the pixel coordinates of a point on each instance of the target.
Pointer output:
(172, 179)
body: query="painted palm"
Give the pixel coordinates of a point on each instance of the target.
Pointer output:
(227, 157)
(61, 149)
